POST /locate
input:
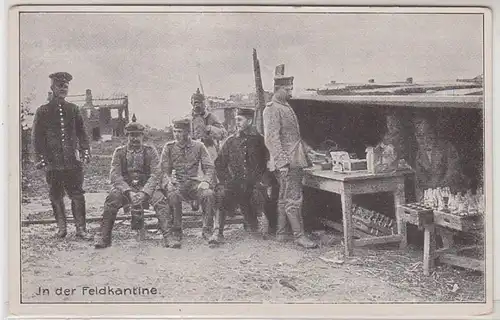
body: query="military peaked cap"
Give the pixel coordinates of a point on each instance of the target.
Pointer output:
(247, 113)
(134, 126)
(182, 124)
(61, 76)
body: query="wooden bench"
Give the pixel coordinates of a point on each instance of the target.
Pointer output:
(445, 223)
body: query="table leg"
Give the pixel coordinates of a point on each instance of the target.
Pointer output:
(399, 199)
(346, 199)
(446, 237)
(429, 248)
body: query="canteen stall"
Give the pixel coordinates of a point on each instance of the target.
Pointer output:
(354, 117)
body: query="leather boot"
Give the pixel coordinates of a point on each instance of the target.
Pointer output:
(175, 239)
(137, 222)
(79, 214)
(175, 233)
(295, 220)
(162, 211)
(270, 211)
(207, 207)
(282, 233)
(137, 217)
(103, 239)
(60, 216)
(220, 222)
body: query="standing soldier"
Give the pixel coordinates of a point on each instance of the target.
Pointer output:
(206, 128)
(240, 167)
(61, 143)
(135, 174)
(180, 161)
(288, 157)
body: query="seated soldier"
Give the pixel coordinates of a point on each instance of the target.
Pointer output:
(180, 161)
(240, 166)
(135, 174)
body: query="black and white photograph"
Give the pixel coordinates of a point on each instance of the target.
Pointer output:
(251, 156)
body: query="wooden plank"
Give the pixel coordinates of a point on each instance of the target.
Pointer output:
(429, 249)
(340, 228)
(422, 101)
(198, 223)
(456, 222)
(377, 240)
(261, 103)
(457, 249)
(386, 231)
(417, 214)
(464, 262)
(364, 228)
(346, 199)
(25, 223)
(355, 175)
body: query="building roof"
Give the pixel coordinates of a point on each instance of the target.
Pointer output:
(460, 93)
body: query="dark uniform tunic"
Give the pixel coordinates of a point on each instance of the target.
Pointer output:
(240, 166)
(60, 139)
(438, 165)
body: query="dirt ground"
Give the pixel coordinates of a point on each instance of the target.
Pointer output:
(245, 268)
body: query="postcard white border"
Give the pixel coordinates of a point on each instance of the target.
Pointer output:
(220, 311)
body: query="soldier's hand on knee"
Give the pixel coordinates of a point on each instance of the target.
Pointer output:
(141, 196)
(133, 197)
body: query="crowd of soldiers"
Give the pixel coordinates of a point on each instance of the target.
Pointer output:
(202, 166)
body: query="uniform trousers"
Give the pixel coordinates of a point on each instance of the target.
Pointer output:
(117, 200)
(188, 191)
(290, 201)
(71, 181)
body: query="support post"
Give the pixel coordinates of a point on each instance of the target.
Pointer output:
(261, 103)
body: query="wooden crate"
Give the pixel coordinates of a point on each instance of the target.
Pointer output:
(456, 222)
(417, 214)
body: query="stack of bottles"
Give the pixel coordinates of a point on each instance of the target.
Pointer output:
(373, 222)
(467, 204)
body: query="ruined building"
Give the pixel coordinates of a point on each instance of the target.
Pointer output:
(104, 118)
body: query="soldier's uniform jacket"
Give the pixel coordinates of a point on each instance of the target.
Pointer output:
(207, 122)
(282, 136)
(59, 135)
(243, 157)
(439, 166)
(185, 159)
(135, 169)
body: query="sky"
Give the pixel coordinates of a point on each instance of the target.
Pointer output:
(155, 58)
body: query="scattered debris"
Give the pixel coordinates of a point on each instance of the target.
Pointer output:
(285, 283)
(333, 257)
(337, 261)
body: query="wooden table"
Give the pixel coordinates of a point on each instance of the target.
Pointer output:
(444, 223)
(348, 184)
(423, 218)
